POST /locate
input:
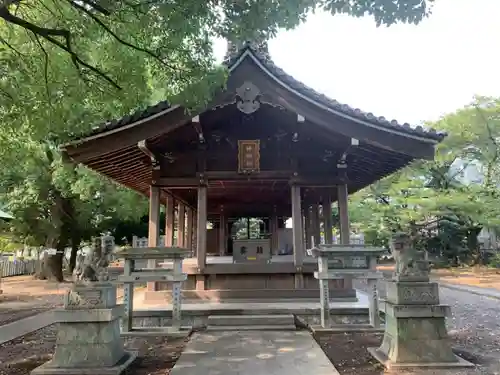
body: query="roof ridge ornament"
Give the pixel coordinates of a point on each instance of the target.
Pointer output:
(258, 44)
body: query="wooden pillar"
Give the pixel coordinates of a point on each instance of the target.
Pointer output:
(307, 227)
(315, 224)
(201, 224)
(169, 222)
(189, 229)
(327, 219)
(195, 233)
(345, 231)
(154, 228)
(309, 231)
(273, 227)
(298, 244)
(222, 234)
(181, 225)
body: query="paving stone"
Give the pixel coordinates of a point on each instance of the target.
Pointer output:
(252, 353)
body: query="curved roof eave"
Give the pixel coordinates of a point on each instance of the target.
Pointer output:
(289, 83)
(322, 101)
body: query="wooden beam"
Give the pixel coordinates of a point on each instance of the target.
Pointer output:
(316, 181)
(187, 182)
(262, 175)
(176, 197)
(178, 182)
(128, 135)
(143, 146)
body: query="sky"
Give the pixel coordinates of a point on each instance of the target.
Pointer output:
(404, 72)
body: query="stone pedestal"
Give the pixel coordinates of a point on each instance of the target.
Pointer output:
(88, 338)
(415, 332)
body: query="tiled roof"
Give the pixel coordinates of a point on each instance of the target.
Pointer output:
(136, 116)
(264, 59)
(262, 54)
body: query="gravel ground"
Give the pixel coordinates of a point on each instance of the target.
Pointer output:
(157, 355)
(475, 322)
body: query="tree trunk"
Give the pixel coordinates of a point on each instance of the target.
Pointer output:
(75, 246)
(65, 211)
(41, 272)
(54, 267)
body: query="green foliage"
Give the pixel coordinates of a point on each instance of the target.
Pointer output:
(434, 198)
(495, 261)
(138, 44)
(7, 245)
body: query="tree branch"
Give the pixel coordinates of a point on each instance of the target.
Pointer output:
(119, 39)
(50, 35)
(7, 3)
(96, 7)
(45, 68)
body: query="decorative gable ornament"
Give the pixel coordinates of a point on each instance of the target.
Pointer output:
(258, 44)
(247, 98)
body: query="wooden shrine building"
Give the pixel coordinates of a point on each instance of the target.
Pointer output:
(267, 148)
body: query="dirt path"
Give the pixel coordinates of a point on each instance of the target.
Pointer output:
(24, 296)
(481, 277)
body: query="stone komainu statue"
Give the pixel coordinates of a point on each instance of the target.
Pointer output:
(404, 253)
(93, 267)
(409, 261)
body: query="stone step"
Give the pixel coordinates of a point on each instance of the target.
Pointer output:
(286, 327)
(251, 320)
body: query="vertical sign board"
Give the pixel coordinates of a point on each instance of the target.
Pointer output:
(249, 156)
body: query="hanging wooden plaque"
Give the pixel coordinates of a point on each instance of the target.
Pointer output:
(249, 156)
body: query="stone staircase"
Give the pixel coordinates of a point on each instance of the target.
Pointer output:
(284, 322)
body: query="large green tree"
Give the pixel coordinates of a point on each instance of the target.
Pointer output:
(448, 200)
(172, 34)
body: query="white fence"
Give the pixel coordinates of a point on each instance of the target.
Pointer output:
(17, 267)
